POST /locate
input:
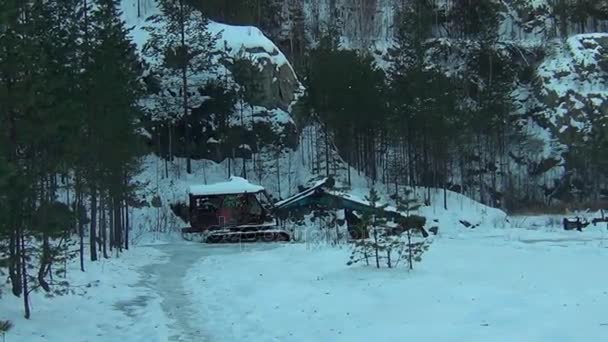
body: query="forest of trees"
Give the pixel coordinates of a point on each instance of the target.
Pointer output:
(408, 125)
(72, 89)
(429, 120)
(424, 121)
(69, 93)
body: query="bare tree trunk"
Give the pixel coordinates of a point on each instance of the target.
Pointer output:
(104, 226)
(185, 88)
(376, 247)
(80, 207)
(14, 266)
(278, 163)
(170, 157)
(326, 152)
(93, 226)
(289, 156)
(45, 262)
(126, 209)
(410, 256)
(26, 291)
(445, 190)
(112, 222)
(117, 224)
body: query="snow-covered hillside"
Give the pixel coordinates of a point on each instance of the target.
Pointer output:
(558, 96)
(163, 183)
(566, 94)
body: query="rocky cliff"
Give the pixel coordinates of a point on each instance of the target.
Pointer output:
(247, 67)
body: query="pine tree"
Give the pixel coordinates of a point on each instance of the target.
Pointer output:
(422, 100)
(561, 12)
(413, 226)
(580, 12)
(60, 78)
(345, 95)
(373, 223)
(180, 44)
(386, 244)
(408, 76)
(11, 89)
(117, 72)
(34, 65)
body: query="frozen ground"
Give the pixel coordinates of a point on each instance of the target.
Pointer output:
(111, 303)
(510, 284)
(506, 285)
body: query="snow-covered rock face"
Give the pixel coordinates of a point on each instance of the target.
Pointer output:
(269, 76)
(246, 61)
(571, 76)
(572, 86)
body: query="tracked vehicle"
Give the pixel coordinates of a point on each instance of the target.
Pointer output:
(231, 212)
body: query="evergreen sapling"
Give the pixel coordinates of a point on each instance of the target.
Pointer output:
(412, 225)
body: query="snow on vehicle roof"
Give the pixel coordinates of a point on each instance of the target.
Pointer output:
(236, 185)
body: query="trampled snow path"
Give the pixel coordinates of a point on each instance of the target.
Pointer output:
(167, 279)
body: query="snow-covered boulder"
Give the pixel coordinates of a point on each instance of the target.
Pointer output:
(265, 70)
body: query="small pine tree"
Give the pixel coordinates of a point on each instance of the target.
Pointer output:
(413, 227)
(387, 245)
(414, 247)
(362, 248)
(372, 223)
(378, 227)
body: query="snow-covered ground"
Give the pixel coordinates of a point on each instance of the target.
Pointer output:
(508, 285)
(110, 302)
(533, 283)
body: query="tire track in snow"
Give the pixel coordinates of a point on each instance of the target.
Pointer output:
(168, 279)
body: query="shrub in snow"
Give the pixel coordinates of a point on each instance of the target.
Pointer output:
(414, 246)
(330, 225)
(413, 227)
(389, 245)
(5, 326)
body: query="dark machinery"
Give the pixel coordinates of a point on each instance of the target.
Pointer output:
(232, 212)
